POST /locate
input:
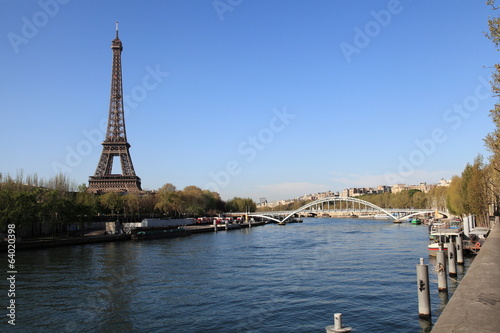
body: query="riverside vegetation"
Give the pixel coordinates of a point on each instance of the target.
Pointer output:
(35, 205)
(39, 206)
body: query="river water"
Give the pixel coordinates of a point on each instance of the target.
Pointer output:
(270, 278)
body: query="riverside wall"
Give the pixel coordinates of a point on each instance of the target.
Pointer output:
(475, 305)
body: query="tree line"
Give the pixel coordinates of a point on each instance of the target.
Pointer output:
(39, 206)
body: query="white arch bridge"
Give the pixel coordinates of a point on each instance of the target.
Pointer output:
(341, 205)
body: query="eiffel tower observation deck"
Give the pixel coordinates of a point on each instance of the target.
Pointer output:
(115, 143)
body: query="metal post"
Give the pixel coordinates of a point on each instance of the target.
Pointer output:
(215, 225)
(441, 270)
(452, 259)
(424, 299)
(337, 321)
(337, 325)
(460, 250)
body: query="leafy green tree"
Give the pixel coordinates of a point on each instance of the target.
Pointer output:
(238, 204)
(193, 200)
(419, 200)
(436, 198)
(492, 140)
(148, 202)
(168, 200)
(454, 200)
(132, 203)
(474, 190)
(213, 203)
(112, 201)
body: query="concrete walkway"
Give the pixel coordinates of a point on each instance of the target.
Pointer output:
(475, 305)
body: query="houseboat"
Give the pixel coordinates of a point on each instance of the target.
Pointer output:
(442, 236)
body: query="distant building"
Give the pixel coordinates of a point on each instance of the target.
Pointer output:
(358, 191)
(397, 188)
(444, 182)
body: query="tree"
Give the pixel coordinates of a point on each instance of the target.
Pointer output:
(213, 203)
(132, 203)
(168, 200)
(237, 204)
(474, 190)
(194, 201)
(419, 200)
(467, 193)
(492, 140)
(112, 201)
(453, 200)
(436, 197)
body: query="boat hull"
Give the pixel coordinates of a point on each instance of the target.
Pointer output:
(158, 233)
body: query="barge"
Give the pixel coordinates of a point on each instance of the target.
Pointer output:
(143, 233)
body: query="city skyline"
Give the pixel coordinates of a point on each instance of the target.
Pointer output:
(250, 99)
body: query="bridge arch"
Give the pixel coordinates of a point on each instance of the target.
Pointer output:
(338, 199)
(425, 212)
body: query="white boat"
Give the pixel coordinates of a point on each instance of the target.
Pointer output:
(442, 236)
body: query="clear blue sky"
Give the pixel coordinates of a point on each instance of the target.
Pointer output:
(270, 99)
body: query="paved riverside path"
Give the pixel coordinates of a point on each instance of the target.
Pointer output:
(475, 304)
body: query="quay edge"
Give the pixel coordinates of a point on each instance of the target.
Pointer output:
(42, 244)
(475, 305)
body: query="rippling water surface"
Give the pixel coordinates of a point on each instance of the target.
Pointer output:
(271, 278)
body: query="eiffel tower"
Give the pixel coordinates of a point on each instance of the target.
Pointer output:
(115, 143)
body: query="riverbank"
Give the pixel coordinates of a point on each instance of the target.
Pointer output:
(475, 305)
(101, 238)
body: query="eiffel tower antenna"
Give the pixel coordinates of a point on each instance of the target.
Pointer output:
(115, 143)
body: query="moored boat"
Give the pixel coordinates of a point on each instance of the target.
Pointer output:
(158, 232)
(416, 221)
(442, 236)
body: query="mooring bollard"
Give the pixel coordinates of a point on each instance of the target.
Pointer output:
(452, 259)
(424, 298)
(460, 250)
(337, 325)
(441, 269)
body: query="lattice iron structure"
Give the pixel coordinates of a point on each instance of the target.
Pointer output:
(115, 143)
